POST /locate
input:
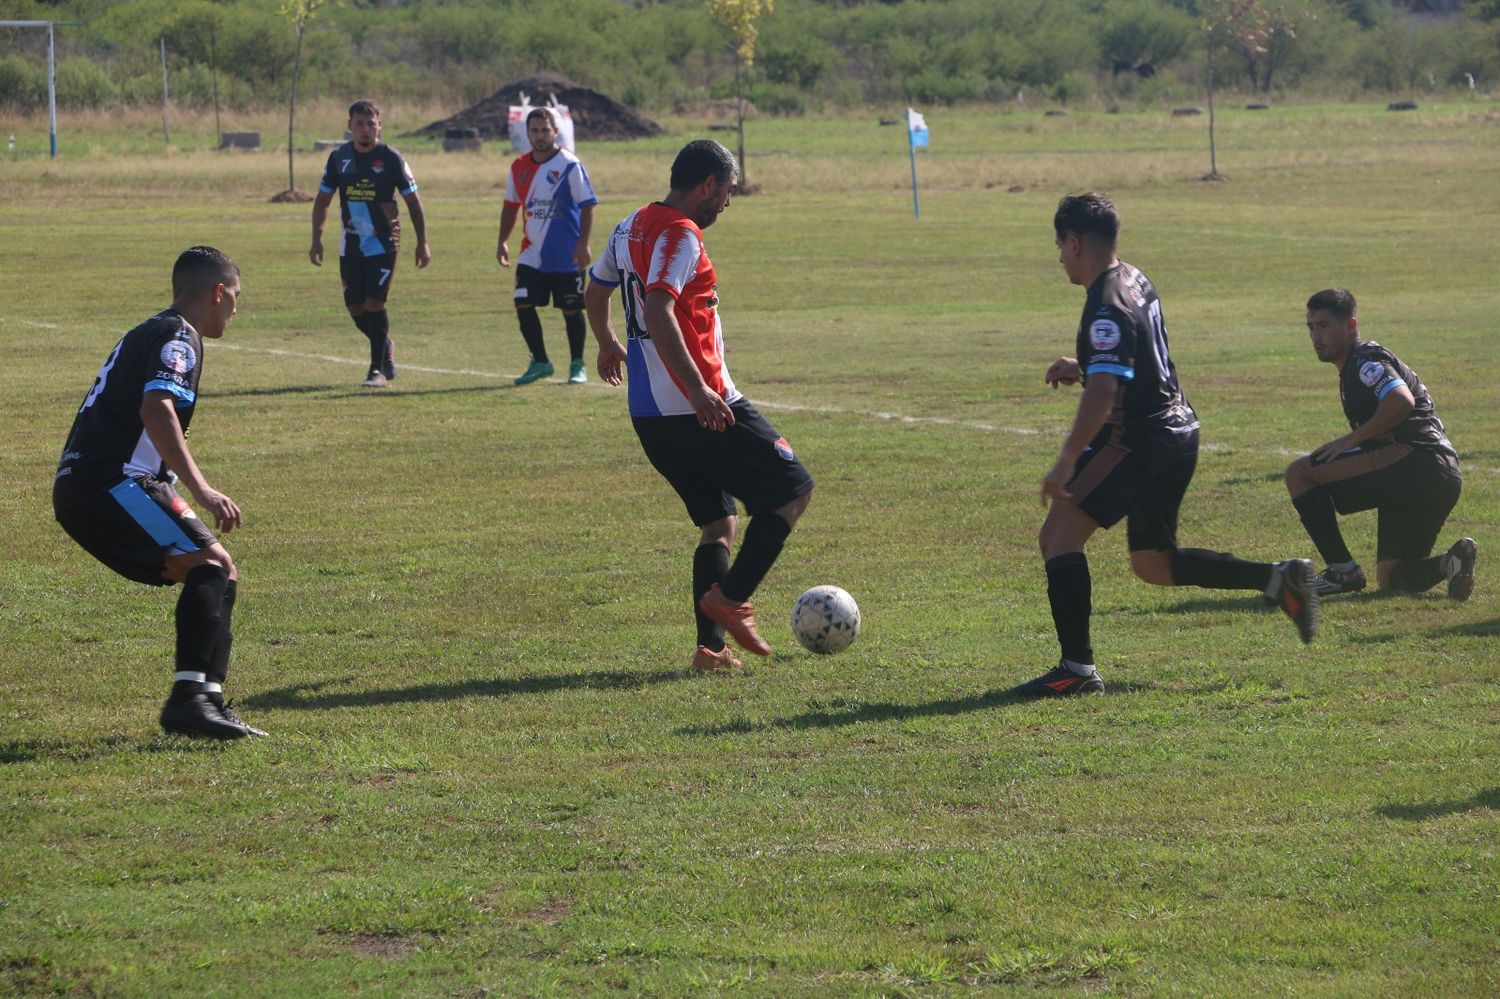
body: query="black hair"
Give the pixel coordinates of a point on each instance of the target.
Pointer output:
(365, 106)
(1335, 300)
(199, 269)
(1091, 215)
(699, 160)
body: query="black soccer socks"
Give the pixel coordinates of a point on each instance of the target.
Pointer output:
(199, 619)
(573, 323)
(1321, 520)
(531, 332)
(1218, 570)
(764, 538)
(1070, 591)
(710, 563)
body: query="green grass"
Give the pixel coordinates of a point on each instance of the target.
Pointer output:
(464, 617)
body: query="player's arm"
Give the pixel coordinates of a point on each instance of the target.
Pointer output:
(508, 213)
(1093, 409)
(596, 301)
(581, 255)
(661, 324)
(159, 416)
(1063, 371)
(319, 219)
(419, 225)
(1394, 407)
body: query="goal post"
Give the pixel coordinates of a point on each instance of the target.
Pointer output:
(51, 71)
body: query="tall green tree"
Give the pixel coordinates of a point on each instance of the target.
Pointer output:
(738, 17)
(300, 12)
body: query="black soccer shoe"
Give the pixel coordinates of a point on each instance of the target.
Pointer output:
(1298, 596)
(197, 716)
(1461, 559)
(388, 366)
(1060, 682)
(230, 714)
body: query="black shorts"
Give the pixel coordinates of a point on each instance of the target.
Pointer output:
(1143, 485)
(534, 287)
(134, 527)
(710, 468)
(1414, 490)
(367, 277)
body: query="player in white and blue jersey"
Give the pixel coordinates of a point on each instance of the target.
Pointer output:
(550, 185)
(367, 175)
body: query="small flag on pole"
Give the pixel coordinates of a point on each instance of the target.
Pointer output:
(916, 135)
(916, 127)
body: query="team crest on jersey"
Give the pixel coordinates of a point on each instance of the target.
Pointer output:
(1372, 373)
(180, 507)
(178, 356)
(378, 166)
(552, 175)
(1104, 334)
(784, 449)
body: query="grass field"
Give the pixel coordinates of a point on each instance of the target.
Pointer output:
(464, 616)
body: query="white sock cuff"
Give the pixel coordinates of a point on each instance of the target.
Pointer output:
(189, 676)
(213, 687)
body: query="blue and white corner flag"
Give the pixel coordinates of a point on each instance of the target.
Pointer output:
(916, 128)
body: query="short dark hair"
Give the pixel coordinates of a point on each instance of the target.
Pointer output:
(199, 269)
(364, 106)
(1090, 215)
(547, 113)
(1335, 300)
(699, 160)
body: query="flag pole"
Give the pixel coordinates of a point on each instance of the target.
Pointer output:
(911, 147)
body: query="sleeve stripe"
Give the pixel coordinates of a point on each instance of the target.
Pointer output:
(1388, 388)
(1118, 370)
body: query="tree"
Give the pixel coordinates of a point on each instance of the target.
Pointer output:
(738, 16)
(300, 11)
(1259, 36)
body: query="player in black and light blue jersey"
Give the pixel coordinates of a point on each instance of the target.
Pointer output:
(1129, 456)
(367, 175)
(1396, 459)
(114, 488)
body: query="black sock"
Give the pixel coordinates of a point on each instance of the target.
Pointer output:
(1218, 570)
(199, 615)
(531, 332)
(218, 663)
(1070, 591)
(1321, 520)
(377, 328)
(1418, 575)
(710, 563)
(573, 323)
(763, 540)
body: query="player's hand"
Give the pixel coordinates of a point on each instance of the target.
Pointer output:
(424, 254)
(315, 252)
(1055, 482)
(713, 412)
(1063, 371)
(582, 257)
(611, 362)
(1333, 449)
(502, 254)
(225, 512)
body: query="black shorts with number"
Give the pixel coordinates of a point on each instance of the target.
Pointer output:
(1414, 490)
(534, 287)
(1144, 486)
(710, 468)
(133, 527)
(367, 277)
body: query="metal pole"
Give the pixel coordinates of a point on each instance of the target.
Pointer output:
(166, 124)
(51, 90)
(916, 205)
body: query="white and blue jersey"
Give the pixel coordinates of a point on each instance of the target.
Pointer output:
(550, 195)
(367, 184)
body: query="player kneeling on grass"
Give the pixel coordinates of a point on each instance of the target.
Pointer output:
(1396, 459)
(698, 431)
(114, 492)
(1130, 455)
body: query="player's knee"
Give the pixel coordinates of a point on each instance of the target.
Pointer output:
(720, 531)
(1154, 567)
(374, 305)
(791, 511)
(1299, 477)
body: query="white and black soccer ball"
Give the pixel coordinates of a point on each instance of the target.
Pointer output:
(825, 619)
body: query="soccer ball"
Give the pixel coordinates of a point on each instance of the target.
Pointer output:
(825, 619)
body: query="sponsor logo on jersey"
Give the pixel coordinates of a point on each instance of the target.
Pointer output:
(178, 356)
(1104, 334)
(1372, 373)
(784, 449)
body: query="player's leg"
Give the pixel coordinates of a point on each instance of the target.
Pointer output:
(1409, 522)
(532, 292)
(376, 275)
(753, 461)
(568, 294)
(1350, 482)
(710, 563)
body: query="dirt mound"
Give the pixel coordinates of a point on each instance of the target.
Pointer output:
(595, 116)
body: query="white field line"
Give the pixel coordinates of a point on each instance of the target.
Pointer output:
(786, 407)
